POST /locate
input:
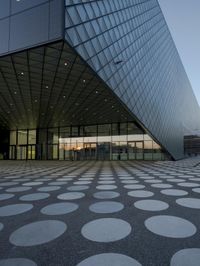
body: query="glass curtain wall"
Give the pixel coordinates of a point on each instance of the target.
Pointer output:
(118, 141)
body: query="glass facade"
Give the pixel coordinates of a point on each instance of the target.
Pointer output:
(117, 141)
(129, 46)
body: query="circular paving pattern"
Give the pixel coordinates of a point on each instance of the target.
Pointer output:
(17, 262)
(71, 196)
(151, 205)
(57, 183)
(140, 193)
(176, 180)
(37, 233)
(106, 207)
(82, 182)
(170, 226)
(188, 184)
(153, 181)
(109, 259)
(14, 209)
(59, 208)
(106, 195)
(32, 184)
(186, 257)
(197, 190)
(106, 187)
(77, 188)
(174, 192)
(129, 182)
(189, 202)
(18, 189)
(109, 230)
(48, 189)
(34, 196)
(162, 186)
(7, 184)
(6, 196)
(134, 186)
(106, 182)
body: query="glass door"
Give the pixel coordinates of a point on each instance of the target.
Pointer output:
(131, 151)
(12, 152)
(31, 152)
(22, 152)
(139, 146)
(136, 150)
(90, 151)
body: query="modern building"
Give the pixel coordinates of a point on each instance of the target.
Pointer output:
(83, 80)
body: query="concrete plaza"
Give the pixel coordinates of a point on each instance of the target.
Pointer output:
(91, 213)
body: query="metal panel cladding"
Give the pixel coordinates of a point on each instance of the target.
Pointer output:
(129, 46)
(24, 24)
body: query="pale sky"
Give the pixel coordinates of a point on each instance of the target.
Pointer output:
(183, 19)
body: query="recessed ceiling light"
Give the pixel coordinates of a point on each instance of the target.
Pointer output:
(36, 101)
(65, 63)
(84, 80)
(64, 96)
(96, 92)
(15, 92)
(22, 73)
(47, 86)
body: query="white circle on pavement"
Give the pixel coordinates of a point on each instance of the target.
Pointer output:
(140, 193)
(7, 184)
(197, 190)
(106, 195)
(129, 182)
(174, 192)
(170, 226)
(151, 205)
(5, 196)
(109, 259)
(153, 181)
(37, 233)
(34, 196)
(48, 188)
(134, 186)
(71, 196)
(192, 203)
(109, 230)
(176, 180)
(17, 262)
(57, 183)
(14, 209)
(82, 182)
(106, 187)
(59, 208)
(188, 184)
(106, 207)
(186, 257)
(106, 182)
(77, 188)
(161, 185)
(18, 189)
(32, 184)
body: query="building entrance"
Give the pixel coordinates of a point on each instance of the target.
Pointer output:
(136, 150)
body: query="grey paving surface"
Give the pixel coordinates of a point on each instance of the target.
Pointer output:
(100, 213)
